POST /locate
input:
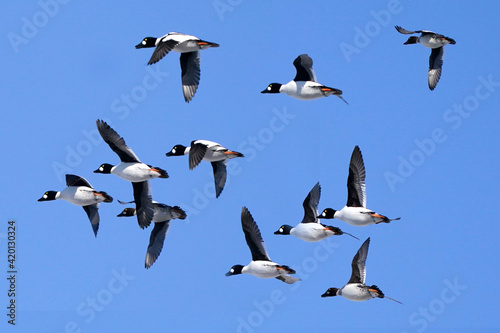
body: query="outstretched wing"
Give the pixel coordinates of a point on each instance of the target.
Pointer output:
(435, 65)
(74, 180)
(116, 142)
(356, 188)
(406, 32)
(303, 63)
(220, 175)
(93, 214)
(359, 264)
(156, 241)
(190, 66)
(310, 204)
(196, 154)
(143, 203)
(253, 236)
(161, 50)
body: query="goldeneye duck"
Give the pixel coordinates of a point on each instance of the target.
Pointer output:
(132, 170)
(261, 265)
(356, 289)
(209, 151)
(161, 217)
(310, 229)
(189, 47)
(435, 42)
(355, 211)
(304, 86)
(80, 193)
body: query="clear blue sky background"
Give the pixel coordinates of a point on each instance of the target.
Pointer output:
(425, 161)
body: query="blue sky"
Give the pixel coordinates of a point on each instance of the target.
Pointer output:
(430, 157)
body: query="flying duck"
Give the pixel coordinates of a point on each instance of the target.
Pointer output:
(355, 211)
(261, 265)
(79, 192)
(211, 152)
(133, 170)
(435, 42)
(356, 289)
(161, 217)
(188, 46)
(304, 86)
(310, 229)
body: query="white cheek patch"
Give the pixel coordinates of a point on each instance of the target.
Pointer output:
(143, 42)
(269, 88)
(232, 270)
(173, 151)
(101, 169)
(45, 196)
(281, 229)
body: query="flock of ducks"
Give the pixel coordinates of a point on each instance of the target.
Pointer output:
(305, 87)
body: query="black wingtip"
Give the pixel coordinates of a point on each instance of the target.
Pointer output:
(411, 40)
(95, 228)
